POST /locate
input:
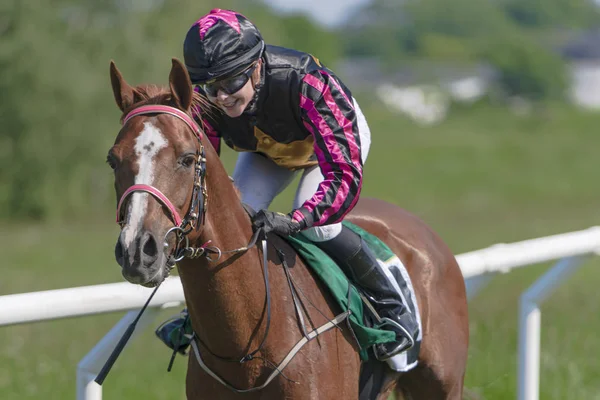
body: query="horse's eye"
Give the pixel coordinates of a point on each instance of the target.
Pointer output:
(111, 161)
(188, 160)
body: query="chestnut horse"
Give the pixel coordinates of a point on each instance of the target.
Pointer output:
(239, 300)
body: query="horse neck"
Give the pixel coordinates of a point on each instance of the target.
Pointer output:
(225, 298)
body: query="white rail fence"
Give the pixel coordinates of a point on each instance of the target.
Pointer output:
(478, 267)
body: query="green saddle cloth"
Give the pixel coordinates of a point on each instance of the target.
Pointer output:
(337, 282)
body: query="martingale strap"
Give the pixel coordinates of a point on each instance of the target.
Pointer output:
(277, 370)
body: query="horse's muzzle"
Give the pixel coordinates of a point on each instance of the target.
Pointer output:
(142, 261)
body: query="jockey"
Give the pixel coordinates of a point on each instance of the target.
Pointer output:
(287, 113)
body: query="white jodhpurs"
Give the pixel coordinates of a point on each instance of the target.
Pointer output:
(260, 180)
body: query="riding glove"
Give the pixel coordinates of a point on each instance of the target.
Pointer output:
(281, 224)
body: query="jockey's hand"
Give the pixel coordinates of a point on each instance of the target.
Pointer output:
(270, 221)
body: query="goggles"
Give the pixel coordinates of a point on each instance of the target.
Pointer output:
(229, 85)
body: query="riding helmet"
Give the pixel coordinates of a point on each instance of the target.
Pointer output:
(219, 45)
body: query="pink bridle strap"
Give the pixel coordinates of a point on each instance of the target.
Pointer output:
(154, 192)
(159, 109)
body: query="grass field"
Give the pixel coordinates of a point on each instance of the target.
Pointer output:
(478, 179)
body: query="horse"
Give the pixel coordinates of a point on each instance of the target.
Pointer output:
(238, 294)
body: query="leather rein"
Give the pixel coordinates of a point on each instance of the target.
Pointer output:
(194, 218)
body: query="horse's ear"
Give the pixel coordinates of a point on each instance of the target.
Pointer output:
(181, 85)
(125, 95)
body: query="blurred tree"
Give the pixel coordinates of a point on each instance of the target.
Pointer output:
(301, 34)
(414, 28)
(527, 69)
(552, 14)
(459, 18)
(468, 31)
(31, 62)
(437, 46)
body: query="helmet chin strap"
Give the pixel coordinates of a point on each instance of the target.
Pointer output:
(252, 105)
(258, 70)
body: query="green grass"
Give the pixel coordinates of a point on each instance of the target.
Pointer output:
(480, 178)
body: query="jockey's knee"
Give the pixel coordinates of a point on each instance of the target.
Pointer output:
(322, 233)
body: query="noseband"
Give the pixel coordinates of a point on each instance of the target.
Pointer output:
(197, 211)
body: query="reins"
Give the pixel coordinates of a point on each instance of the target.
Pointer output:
(193, 219)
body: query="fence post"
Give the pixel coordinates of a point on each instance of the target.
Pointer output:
(530, 325)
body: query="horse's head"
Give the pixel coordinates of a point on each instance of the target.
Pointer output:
(158, 164)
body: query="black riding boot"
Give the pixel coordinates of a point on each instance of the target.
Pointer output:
(361, 266)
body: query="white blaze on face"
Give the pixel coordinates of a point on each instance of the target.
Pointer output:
(147, 145)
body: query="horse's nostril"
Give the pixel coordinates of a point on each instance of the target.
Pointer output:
(119, 252)
(150, 248)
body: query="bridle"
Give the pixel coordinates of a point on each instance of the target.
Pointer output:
(196, 214)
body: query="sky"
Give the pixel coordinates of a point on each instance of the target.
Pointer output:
(326, 12)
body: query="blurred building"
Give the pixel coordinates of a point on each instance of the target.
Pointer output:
(422, 91)
(583, 56)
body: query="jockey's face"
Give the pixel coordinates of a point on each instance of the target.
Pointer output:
(234, 104)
